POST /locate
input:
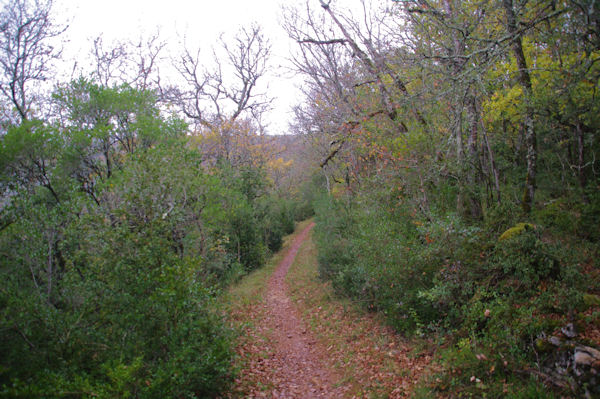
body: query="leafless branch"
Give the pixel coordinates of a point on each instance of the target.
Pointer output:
(331, 41)
(26, 54)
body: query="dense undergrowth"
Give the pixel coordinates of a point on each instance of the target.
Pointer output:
(483, 295)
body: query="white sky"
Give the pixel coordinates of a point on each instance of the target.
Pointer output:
(201, 21)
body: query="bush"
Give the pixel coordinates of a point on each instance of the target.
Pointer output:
(245, 241)
(277, 221)
(589, 221)
(309, 194)
(486, 297)
(523, 257)
(129, 309)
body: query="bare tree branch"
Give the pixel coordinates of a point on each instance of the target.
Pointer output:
(26, 54)
(331, 41)
(132, 63)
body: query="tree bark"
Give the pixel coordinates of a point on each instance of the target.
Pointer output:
(473, 176)
(492, 165)
(528, 120)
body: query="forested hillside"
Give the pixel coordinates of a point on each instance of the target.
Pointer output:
(448, 150)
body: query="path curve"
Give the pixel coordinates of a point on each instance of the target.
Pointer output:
(302, 371)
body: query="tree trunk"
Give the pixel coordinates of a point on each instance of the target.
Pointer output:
(581, 160)
(328, 185)
(473, 176)
(466, 202)
(49, 270)
(492, 165)
(528, 120)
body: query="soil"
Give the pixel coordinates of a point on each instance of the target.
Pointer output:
(304, 371)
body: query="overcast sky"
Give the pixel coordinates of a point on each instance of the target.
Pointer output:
(201, 21)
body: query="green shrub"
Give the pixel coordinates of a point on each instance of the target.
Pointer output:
(589, 221)
(499, 218)
(307, 196)
(245, 239)
(128, 309)
(277, 221)
(523, 257)
(559, 215)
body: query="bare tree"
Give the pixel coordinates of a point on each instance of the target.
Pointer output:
(331, 80)
(109, 63)
(350, 82)
(223, 98)
(224, 93)
(342, 53)
(26, 53)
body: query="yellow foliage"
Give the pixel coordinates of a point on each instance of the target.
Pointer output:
(279, 164)
(504, 105)
(515, 231)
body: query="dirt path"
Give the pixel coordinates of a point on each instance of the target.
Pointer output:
(300, 342)
(302, 371)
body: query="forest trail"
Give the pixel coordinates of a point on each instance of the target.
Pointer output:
(298, 366)
(304, 370)
(301, 343)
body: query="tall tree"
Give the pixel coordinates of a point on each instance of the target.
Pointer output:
(528, 118)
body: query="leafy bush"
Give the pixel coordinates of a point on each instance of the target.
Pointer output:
(308, 195)
(590, 217)
(245, 241)
(277, 216)
(130, 311)
(487, 298)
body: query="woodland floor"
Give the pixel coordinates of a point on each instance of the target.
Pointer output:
(300, 341)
